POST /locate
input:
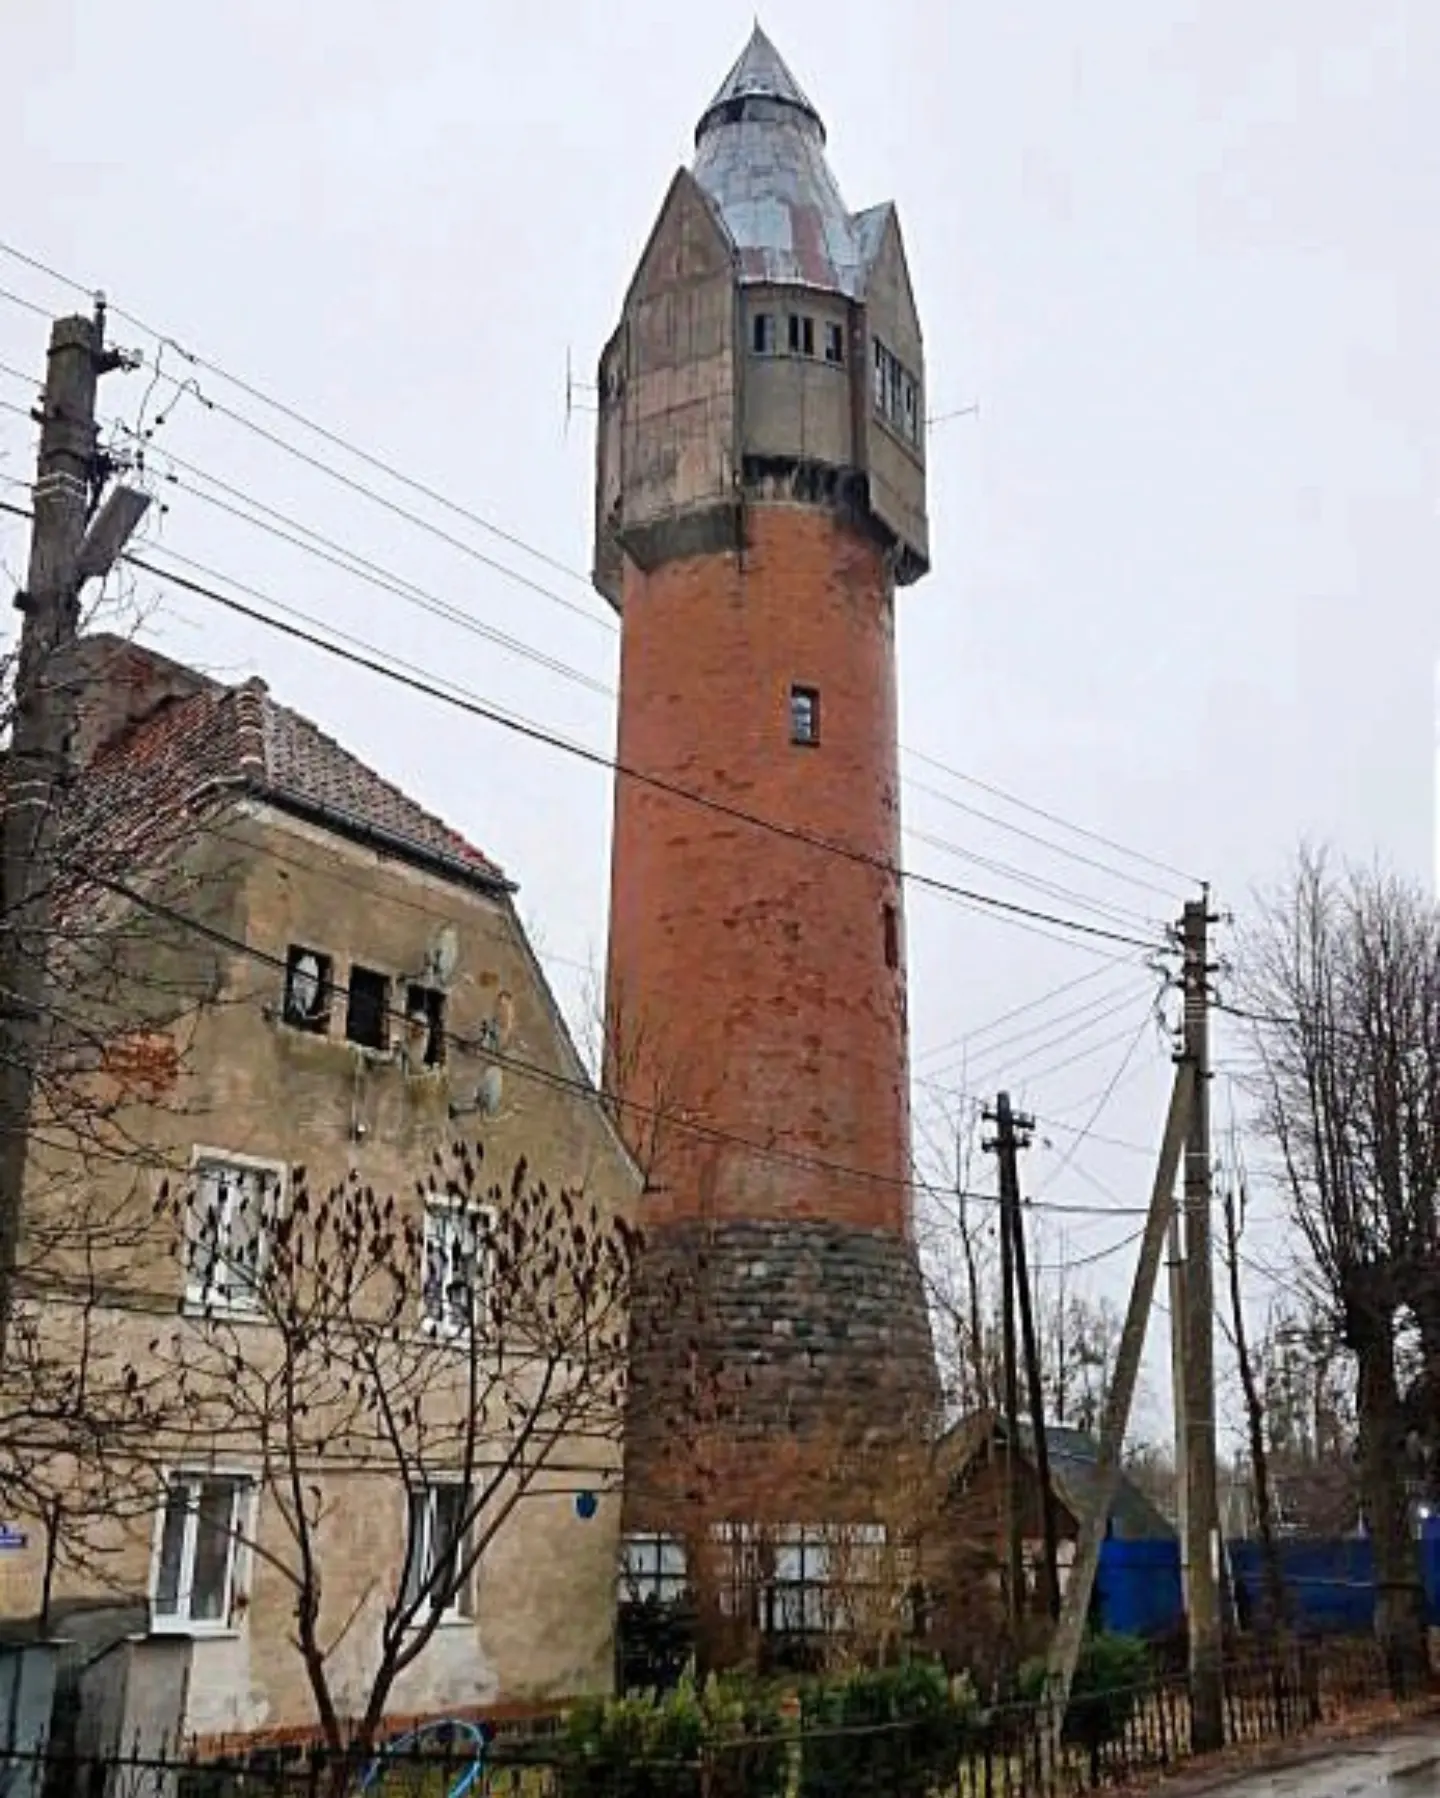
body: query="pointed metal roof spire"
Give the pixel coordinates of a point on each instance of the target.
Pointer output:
(758, 82)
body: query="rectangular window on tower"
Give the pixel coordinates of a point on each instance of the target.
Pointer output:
(762, 333)
(805, 715)
(835, 343)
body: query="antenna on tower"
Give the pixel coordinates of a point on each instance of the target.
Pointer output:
(574, 385)
(944, 418)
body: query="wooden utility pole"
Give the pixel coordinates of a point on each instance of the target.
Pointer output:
(1197, 1334)
(1065, 1644)
(67, 545)
(1014, 1555)
(1013, 1134)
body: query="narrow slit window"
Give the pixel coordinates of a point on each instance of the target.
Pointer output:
(804, 715)
(763, 333)
(366, 1006)
(835, 344)
(308, 979)
(807, 336)
(891, 926)
(880, 376)
(425, 1017)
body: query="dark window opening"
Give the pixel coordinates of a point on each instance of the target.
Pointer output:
(835, 343)
(763, 333)
(804, 715)
(425, 1012)
(802, 334)
(892, 936)
(897, 396)
(366, 1008)
(307, 989)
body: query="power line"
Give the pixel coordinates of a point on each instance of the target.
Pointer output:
(530, 1070)
(1035, 811)
(398, 673)
(1106, 1004)
(339, 556)
(435, 496)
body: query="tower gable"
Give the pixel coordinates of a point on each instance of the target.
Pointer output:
(895, 413)
(667, 454)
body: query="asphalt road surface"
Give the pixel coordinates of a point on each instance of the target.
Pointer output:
(1406, 1765)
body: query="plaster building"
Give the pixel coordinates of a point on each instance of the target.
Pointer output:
(760, 501)
(319, 975)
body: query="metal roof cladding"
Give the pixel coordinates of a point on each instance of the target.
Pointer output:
(760, 156)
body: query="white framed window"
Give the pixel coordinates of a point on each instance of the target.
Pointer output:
(798, 1579)
(198, 1543)
(453, 1267)
(233, 1204)
(652, 1569)
(436, 1546)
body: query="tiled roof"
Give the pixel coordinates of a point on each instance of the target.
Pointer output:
(197, 747)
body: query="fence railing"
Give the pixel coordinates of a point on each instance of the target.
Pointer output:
(1001, 1751)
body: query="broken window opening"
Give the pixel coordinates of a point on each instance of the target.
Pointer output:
(308, 979)
(366, 1008)
(835, 344)
(763, 333)
(892, 935)
(804, 715)
(425, 1011)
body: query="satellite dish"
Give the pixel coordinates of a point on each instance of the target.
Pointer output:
(305, 986)
(444, 955)
(489, 1092)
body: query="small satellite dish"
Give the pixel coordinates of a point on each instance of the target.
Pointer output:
(444, 955)
(586, 1505)
(489, 1092)
(305, 987)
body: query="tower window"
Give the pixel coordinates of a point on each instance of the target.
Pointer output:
(804, 715)
(307, 989)
(890, 918)
(835, 343)
(801, 335)
(366, 1008)
(762, 328)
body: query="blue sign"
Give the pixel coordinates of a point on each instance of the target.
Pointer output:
(11, 1538)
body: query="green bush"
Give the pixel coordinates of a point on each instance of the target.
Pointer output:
(897, 1730)
(1109, 1677)
(650, 1745)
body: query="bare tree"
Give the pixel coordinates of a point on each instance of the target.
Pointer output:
(1343, 984)
(473, 1369)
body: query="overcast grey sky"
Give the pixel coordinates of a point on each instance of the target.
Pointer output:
(1185, 559)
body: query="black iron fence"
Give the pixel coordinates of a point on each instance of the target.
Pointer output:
(1111, 1738)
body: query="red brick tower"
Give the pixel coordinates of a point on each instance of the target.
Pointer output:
(760, 495)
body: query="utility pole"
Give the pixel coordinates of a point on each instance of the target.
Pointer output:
(1014, 1132)
(70, 541)
(1197, 1334)
(1065, 1644)
(1175, 1265)
(1014, 1557)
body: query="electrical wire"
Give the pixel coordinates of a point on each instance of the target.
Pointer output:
(1083, 1134)
(1109, 1001)
(288, 529)
(381, 465)
(582, 1087)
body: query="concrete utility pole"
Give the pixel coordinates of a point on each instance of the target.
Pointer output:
(66, 548)
(1065, 1645)
(1175, 1265)
(1014, 1132)
(1004, 1145)
(1197, 1334)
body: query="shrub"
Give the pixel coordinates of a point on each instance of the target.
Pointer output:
(897, 1730)
(650, 1745)
(1109, 1676)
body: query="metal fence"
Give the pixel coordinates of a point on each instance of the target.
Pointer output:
(1000, 1751)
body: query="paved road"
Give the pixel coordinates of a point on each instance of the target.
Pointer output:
(1399, 1766)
